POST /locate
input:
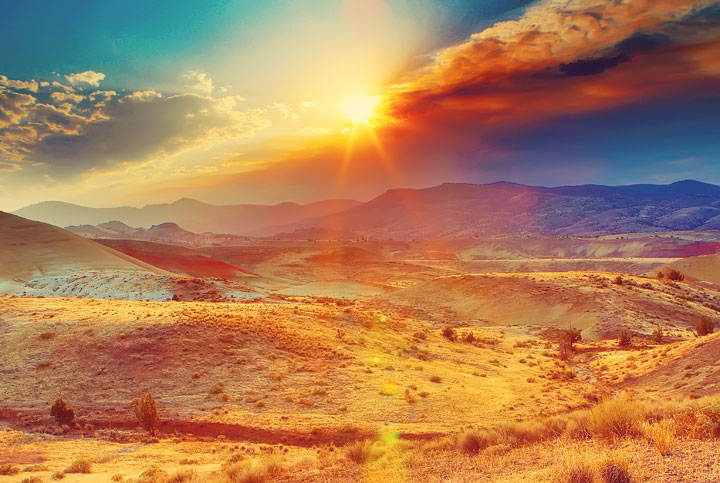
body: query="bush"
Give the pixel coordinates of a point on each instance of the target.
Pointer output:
(658, 335)
(469, 337)
(58, 475)
(624, 338)
(618, 280)
(79, 466)
(674, 275)
(566, 339)
(32, 479)
(146, 413)
(449, 334)
(703, 326)
(9, 469)
(615, 417)
(252, 471)
(63, 414)
(473, 441)
(365, 451)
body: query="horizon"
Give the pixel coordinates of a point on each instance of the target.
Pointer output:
(365, 200)
(260, 104)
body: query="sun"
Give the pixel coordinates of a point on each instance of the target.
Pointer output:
(359, 109)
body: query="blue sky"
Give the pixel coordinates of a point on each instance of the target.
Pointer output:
(107, 103)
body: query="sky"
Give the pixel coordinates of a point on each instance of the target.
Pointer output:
(132, 103)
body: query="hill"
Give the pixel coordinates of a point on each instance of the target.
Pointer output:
(176, 259)
(244, 219)
(29, 250)
(467, 210)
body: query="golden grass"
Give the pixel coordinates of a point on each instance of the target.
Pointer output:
(661, 434)
(591, 465)
(256, 470)
(79, 466)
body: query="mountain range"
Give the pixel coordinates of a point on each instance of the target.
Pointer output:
(448, 210)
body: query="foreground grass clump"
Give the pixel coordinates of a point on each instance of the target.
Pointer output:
(472, 441)
(661, 434)
(362, 452)
(256, 470)
(79, 466)
(575, 466)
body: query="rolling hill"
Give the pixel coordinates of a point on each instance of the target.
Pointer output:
(467, 210)
(190, 214)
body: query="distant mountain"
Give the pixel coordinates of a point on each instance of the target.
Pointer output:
(198, 217)
(467, 210)
(170, 233)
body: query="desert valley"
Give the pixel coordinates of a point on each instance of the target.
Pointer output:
(369, 241)
(488, 356)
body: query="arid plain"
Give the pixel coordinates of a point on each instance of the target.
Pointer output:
(361, 360)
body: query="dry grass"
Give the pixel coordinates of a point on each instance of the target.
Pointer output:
(79, 466)
(256, 470)
(661, 434)
(589, 466)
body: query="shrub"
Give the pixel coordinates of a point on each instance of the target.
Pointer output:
(472, 441)
(79, 466)
(63, 414)
(365, 451)
(703, 326)
(436, 379)
(614, 417)
(615, 468)
(252, 471)
(618, 280)
(59, 475)
(469, 337)
(450, 334)
(658, 335)
(566, 339)
(32, 479)
(146, 413)
(624, 338)
(573, 468)
(674, 275)
(9, 469)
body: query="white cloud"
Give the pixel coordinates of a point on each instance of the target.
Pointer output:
(307, 105)
(199, 81)
(30, 85)
(89, 77)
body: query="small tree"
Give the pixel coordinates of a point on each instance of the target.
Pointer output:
(566, 339)
(146, 412)
(624, 338)
(658, 335)
(63, 414)
(618, 280)
(703, 326)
